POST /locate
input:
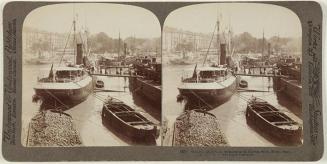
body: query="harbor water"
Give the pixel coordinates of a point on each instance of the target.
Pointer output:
(87, 114)
(231, 114)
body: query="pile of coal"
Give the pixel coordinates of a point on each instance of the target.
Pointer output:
(195, 128)
(52, 129)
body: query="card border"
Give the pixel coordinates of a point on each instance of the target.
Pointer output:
(311, 150)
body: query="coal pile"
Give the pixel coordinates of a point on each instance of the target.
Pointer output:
(52, 129)
(195, 128)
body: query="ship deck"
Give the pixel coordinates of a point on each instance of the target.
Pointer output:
(209, 85)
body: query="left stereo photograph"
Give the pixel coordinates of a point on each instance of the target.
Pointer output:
(91, 76)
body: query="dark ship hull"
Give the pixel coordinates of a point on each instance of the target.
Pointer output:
(148, 84)
(38, 62)
(148, 89)
(291, 86)
(210, 96)
(292, 89)
(180, 62)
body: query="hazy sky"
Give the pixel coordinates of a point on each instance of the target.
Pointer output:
(108, 18)
(252, 18)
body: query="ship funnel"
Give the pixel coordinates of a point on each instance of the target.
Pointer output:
(222, 54)
(79, 54)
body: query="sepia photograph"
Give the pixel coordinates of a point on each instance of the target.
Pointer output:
(232, 76)
(91, 76)
(163, 81)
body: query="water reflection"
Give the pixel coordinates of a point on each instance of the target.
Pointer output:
(153, 108)
(148, 107)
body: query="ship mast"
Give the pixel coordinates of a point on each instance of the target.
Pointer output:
(229, 39)
(263, 43)
(218, 41)
(213, 34)
(74, 40)
(118, 44)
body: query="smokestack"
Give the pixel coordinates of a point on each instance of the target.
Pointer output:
(222, 54)
(79, 55)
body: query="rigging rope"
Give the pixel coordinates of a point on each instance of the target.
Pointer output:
(66, 44)
(205, 58)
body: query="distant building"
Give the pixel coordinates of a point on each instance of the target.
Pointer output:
(33, 36)
(172, 37)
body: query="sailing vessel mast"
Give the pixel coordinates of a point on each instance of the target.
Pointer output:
(212, 37)
(263, 43)
(218, 41)
(74, 40)
(119, 45)
(229, 39)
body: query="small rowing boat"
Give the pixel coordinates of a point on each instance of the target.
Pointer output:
(99, 84)
(272, 122)
(243, 84)
(125, 120)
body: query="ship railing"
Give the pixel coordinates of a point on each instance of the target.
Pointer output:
(205, 80)
(60, 80)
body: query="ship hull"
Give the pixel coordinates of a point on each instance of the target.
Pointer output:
(180, 62)
(150, 91)
(211, 96)
(69, 96)
(290, 88)
(38, 62)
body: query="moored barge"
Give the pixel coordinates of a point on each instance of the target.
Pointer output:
(272, 122)
(149, 82)
(125, 120)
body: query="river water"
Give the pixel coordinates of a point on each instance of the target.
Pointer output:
(231, 114)
(86, 115)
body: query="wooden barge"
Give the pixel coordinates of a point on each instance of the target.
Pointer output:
(273, 122)
(125, 120)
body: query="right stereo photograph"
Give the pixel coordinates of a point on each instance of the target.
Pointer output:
(232, 76)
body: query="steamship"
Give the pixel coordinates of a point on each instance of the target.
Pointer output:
(66, 84)
(213, 84)
(210, 84)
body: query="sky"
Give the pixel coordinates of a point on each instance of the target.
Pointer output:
(242, 17)
(108, 18)
(139, 22)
